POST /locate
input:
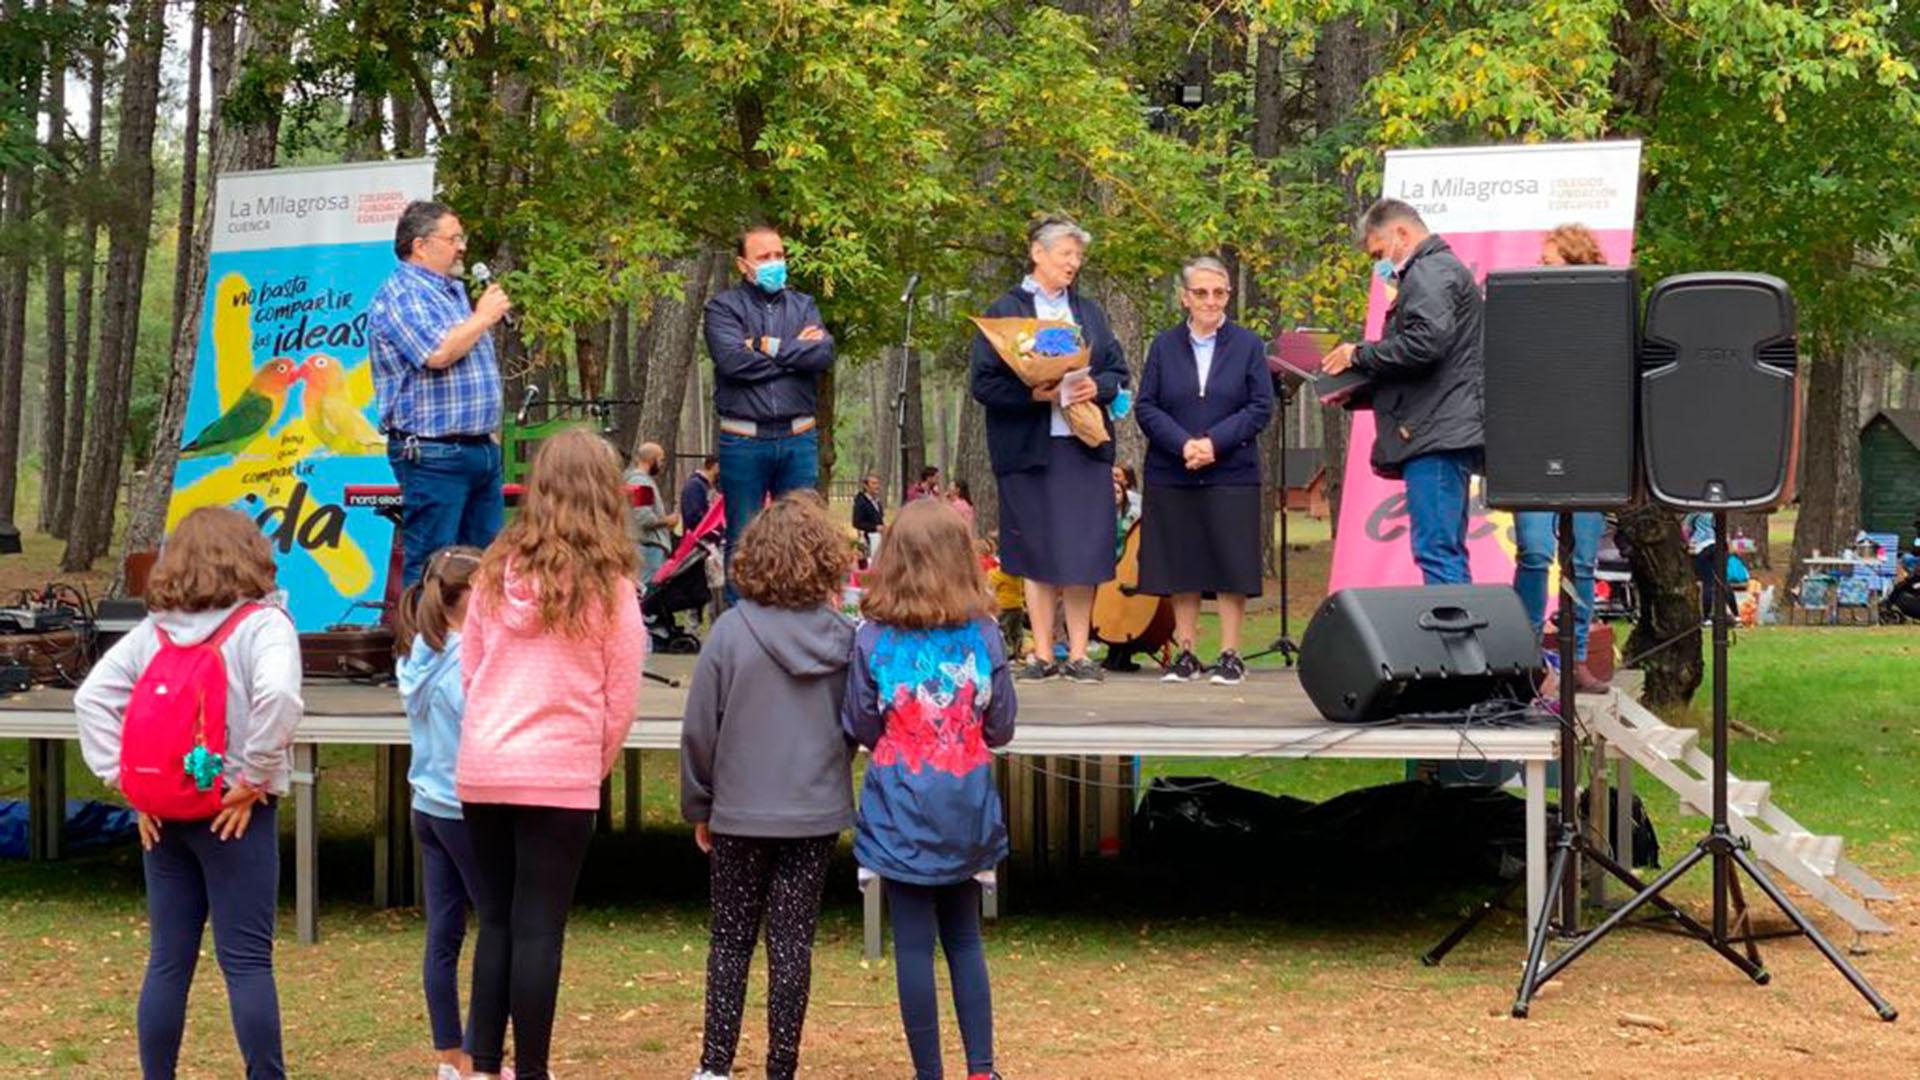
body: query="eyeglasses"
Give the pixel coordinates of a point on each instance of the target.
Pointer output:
(1210, 294)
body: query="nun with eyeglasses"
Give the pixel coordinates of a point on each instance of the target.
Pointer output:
(1057, 515)
(1205, 397)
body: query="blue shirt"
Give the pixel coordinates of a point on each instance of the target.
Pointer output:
(1057, 307)
(1203, 356)
(409, 318)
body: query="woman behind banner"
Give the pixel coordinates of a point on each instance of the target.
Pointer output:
(1056, 493)
(1205, 396)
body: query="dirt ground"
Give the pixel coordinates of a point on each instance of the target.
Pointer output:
(1187, 998)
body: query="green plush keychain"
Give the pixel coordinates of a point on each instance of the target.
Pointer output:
(204, 766)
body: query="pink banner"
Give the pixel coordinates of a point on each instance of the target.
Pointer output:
(1372, 545)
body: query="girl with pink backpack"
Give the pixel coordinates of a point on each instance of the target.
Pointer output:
(190, 716)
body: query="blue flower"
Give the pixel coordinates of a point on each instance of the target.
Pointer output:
(1057, 341)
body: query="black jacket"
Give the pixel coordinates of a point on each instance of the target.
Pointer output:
(867, 515)
(749, 385)
(1426, 366)
(1018, 426)
(1232, 410)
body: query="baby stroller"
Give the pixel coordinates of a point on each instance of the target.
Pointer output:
(680, 585)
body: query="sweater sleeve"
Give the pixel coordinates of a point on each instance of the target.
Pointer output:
(1159, 426)
(700, 728)
(860, 714)
(100, 705)
(625, 650)
(273, 695)
(727, 344)
(1244, 424)
(807, 356)
(997, 725)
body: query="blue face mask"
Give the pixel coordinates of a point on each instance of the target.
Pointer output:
(771, 276)
(1385, 270)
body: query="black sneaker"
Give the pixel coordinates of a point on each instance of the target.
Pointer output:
(1035, 670)
(1082, 671)
(1186, 668)
(1230, 670)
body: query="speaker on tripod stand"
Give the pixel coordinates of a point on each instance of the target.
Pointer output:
(1717, 373)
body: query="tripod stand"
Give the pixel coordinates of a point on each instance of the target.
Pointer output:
(1288, 649)
(1572, 843)
(1720, 845)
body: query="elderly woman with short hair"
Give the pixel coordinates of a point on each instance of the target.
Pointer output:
(1056, 493)
(1205, 396)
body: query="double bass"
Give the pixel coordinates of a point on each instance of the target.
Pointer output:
(1123, 617)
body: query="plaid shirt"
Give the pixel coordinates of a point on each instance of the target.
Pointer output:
(409, 318)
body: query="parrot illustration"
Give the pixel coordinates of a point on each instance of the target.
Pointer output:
(251, 414)
(332, 415)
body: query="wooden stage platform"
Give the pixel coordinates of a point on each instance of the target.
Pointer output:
(1067, 779)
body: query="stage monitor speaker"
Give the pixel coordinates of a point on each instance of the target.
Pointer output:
(1719, 409)
(1373, 655)
(1560, 399)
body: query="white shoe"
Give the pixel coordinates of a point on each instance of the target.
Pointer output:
(705, 1075)
(448, 1072)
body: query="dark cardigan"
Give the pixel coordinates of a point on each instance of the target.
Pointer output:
(1233, 411)
(1018, 427)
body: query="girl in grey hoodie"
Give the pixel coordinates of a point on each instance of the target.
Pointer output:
(765, 771)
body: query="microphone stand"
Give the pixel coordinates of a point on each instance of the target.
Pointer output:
(900, 392)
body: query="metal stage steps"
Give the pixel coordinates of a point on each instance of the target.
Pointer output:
(1815, 862)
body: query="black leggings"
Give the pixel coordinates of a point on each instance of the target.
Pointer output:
(951, 913)
(528, 860)
(779, 881)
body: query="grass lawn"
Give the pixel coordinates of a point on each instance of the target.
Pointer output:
(1129, 972)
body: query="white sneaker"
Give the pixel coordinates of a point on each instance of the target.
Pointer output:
(705, 1075)
(448, 1072)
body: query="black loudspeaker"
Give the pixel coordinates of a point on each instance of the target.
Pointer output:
(1561, 402)
(1378, 654)
(1719, 409)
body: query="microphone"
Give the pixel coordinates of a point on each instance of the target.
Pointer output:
(533, 389)
(482, 276)
(913, 282)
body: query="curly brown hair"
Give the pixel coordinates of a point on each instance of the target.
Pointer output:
(1577, 245)
(569, 538)
(792, 555)
(928, 573)
(215, 558)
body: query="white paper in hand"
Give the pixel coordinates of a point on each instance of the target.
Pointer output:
(1069, 381)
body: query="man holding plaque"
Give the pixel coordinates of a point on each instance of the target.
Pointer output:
(1425, 383)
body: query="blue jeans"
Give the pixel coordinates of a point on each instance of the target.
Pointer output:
(449, 494)
(1536, 533)
(1438, 485)
(446, 852)
(755, 470)
(193, 874)
(950, 913)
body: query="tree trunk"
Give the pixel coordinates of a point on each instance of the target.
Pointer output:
(53, 415)
(131, 232)
(230, 149)
(13, 308)
(363, 127)
(1829, 481)
(1666, 638)
(916, 432)
(66, 474)
(1123, 315)
(676, 344)
(826, 404)
(881, 449)
(970, 463)
(189, 179)
(1910, 388)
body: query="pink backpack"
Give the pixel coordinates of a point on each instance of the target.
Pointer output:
(175, 736)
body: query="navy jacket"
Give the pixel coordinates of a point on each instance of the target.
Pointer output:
(1426, 366)
(695, 496)
(1232, 410)
(931, 705)
(1018, 427)
(749, 385)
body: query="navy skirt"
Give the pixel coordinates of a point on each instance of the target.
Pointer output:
(1200, 540)
(1057, 524)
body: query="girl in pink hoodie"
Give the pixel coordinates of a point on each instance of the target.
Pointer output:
(551, 656)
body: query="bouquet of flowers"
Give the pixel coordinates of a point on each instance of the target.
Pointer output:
(1042, 352)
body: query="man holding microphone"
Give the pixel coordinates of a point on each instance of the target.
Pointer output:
(439, 388)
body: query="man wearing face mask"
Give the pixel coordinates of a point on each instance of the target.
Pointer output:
(1425, 374)
(769, 347)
